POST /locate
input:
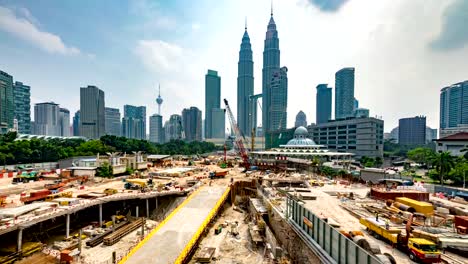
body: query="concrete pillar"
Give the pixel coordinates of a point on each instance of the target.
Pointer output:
(67, 227)
(147, 209)
(100, 214)
(20, 240)
(136, 214)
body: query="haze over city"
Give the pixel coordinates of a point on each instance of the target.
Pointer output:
(404, 52)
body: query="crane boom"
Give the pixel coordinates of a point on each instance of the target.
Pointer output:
(239, 141)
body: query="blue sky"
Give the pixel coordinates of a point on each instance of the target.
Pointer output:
(403, 51)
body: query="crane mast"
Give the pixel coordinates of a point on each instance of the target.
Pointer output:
(239, 137)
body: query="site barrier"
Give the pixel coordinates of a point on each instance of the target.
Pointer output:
(331, 246)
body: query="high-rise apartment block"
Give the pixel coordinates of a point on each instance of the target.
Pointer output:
(47, 119)
(64, 122)
(157, 134)
(113, 125)
(192, 122)
(278, 105)
(76, 124)
(245, 84)
(344, 93)
(218, 128)
(92, 112)
(454, 109)
(212, 99)
(173, 128)
(323, 104)
(412, 131)
(22, 102)
(134, 122)
(7, 108)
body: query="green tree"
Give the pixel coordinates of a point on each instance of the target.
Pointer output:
(421, 155)
(443, 162)
(460, 171)
(465, 151)
(105, 170)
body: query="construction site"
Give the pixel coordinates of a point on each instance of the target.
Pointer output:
(224, 208)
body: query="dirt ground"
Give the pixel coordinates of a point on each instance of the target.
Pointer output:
(329, 206)
(230, 249)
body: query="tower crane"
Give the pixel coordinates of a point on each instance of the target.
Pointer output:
(239, 140)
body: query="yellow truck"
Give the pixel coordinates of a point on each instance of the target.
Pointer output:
(141, 182)
(110, 191)
(377, 227)
(418, 249)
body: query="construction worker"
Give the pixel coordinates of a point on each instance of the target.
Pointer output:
(387, 224)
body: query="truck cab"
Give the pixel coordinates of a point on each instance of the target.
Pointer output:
(423, 250)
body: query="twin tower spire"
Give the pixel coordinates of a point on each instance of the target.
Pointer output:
(246, 101)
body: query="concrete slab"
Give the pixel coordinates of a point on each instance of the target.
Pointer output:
(168, 242)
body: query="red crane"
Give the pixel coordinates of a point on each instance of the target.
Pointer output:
(239, 141)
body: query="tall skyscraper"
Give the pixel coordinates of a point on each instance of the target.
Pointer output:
(92, 113)
(156, 129)
(454, 108)
(301, 119)
(271, 66)
(344, 93)
(212, 99)
(245, 84)
(134, 122)
(173, 128)
(22, 102)
(47, 119)
(218, 128)
(278, 104)
(76, 124)
(7, 108)
(192, 122)
(412, 131)
(113, 125)
(431, 134)
(64, 122)
(323, 104)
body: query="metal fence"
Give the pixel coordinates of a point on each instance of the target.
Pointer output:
(338, 248)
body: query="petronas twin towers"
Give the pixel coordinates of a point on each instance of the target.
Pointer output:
(274, 85)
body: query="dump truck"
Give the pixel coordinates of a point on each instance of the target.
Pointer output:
(218, 174)
(418, 249)
(110, 191)
(140, 182)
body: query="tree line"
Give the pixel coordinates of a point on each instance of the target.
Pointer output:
(39, 150)
(442, 166)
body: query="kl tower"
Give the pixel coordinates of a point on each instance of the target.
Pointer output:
(159, 100)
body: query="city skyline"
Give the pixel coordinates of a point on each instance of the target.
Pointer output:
(431, 49)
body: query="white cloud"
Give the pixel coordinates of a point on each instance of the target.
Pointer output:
(196, 26)
(173, 67)
(25, 28)
(397, 74)
(160, 56)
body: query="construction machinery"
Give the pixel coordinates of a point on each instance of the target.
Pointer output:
(34, 196)
(418, 249)
(26, 177)
(239, 140)
(218, 174)
(110, 191)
